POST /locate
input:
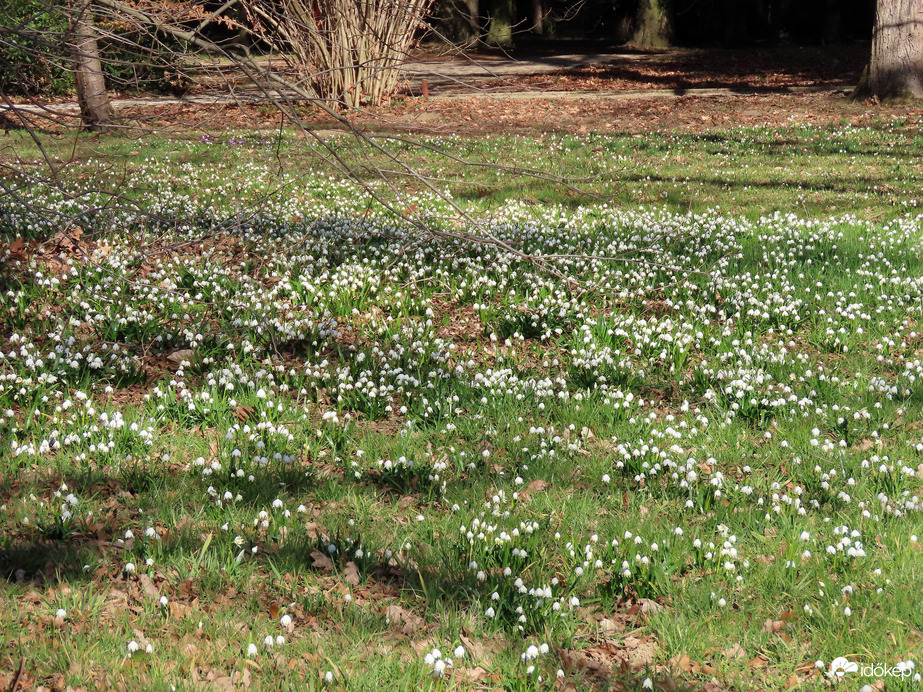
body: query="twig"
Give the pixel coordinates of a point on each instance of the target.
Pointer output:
(18, 677)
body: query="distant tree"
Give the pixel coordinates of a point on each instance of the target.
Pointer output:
(895, 69)
(89, 80)
(653, 24)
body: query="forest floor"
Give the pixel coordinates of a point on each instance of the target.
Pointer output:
(684, 90)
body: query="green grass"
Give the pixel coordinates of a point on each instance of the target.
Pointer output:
(272, 402)
(810, 170)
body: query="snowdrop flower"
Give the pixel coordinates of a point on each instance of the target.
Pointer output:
(252, 650)
(286, 620)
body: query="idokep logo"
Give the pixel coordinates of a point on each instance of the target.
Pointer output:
(840, 666)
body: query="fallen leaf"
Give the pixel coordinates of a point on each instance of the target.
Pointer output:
(150, 590)
(407, 621)
(609, 625)
(681, 663)
(648, 606)
(773, 625)
(322, 562)
(351, 573)
(734, 652)
(180, 355)
(758, 663)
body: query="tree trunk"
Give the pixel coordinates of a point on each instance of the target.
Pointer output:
(653, 25)
(537, 16)
(88, 71)
(502, 17)
(896, 66)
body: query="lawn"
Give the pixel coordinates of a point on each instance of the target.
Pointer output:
(663, 431)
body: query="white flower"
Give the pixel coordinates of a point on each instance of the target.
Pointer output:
(60, 613)
(268, 641)
(252, 651)
(286, 620)
(647, 684)
(459, 651)
(328, 676)
(129, 567)
(132, 647)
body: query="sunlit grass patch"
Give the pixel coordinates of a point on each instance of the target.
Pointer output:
(307, 446)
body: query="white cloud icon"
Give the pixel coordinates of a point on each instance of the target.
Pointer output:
(840, 666)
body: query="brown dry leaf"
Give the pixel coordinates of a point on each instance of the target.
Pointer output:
(180, 355)
(773, 625)
(865, 444)
(789, 615)
(734, 652)
(322, 562)
(150, 590)
(225, 683)
(703, 668)
(792, 681)
(475, 674)
(351, 573)
(538, 485)
(758, 663)
(641, 652)
(648, 606)
(408, 622)
(681, 662)
(610, 625)
(273, 610)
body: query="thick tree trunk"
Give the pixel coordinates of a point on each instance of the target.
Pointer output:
(896, 66)
(537, 16)
(88, 70)
(653, 26)
(502, 18)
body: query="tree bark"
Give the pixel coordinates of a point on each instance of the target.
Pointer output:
(502, 18)
(88, 70)
(653, 26)
(896, 66)
(537, 16)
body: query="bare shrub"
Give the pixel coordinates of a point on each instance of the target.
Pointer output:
(347, 51)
